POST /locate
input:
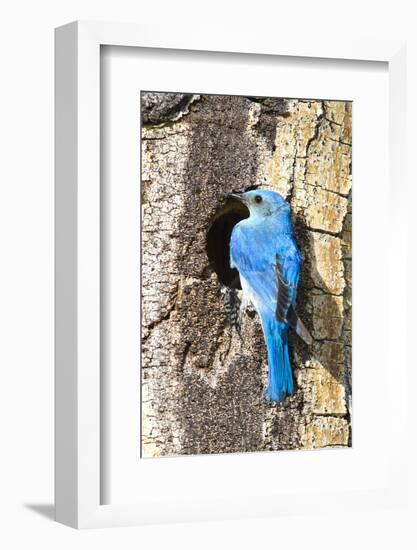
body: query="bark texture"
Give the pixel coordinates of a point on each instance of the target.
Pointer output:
(202, 383)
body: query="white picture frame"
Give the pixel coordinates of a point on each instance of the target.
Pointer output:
(78, 501)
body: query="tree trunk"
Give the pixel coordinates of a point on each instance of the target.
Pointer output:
(202, 381)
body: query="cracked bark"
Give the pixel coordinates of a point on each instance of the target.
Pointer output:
(201, 383)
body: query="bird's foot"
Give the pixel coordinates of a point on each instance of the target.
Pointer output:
(247, 307)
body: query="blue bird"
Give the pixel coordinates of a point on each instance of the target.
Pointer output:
(264, 251)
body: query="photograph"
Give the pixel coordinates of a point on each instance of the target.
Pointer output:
(208, 267)
(208, 260)
(246, 273)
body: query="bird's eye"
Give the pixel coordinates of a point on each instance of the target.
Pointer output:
(258, 198)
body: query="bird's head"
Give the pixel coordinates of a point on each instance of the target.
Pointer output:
(263, 203)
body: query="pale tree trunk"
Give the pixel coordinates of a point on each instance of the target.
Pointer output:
(202, 382)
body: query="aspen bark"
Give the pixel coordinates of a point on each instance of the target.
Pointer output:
(202, 382)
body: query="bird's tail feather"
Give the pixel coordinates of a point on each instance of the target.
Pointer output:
(280, 377)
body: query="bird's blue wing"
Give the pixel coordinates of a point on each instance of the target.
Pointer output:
(269, 264)
(288, 273)
(287, 269)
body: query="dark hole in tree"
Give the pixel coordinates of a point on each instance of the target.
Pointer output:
(218, 241)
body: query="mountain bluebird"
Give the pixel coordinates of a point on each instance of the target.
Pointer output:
(263, 250)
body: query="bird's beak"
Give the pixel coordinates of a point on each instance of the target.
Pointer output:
(240, 197)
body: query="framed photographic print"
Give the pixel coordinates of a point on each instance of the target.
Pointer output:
(218, 312)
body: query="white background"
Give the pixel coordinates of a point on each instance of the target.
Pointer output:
(26, 303)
